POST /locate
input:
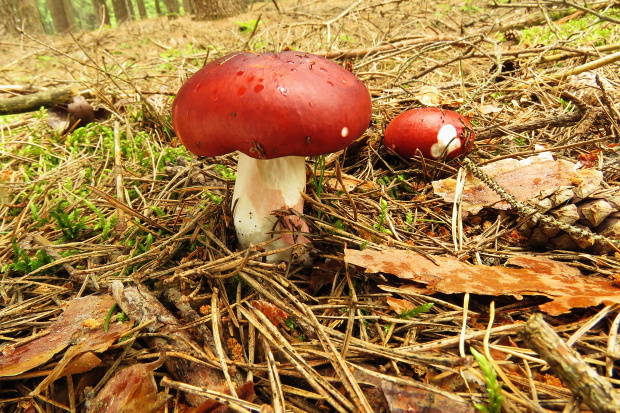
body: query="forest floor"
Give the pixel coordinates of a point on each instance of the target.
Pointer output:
(173, 314)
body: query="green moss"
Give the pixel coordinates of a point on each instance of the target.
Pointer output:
(588, 30)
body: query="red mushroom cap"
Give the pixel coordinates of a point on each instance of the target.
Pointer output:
(271, 105)
(433, 132)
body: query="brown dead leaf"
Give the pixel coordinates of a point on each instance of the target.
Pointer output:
(399, 305)
(132, 389)
(72, 327)
(273, 313)
(351, 183)
(244, 392)
(590, 159)
(565, 285)
(406, 396)
(432, 96)
(524, 179)
(486, 109)
(410, 399)
(323, 273)
(81, 364)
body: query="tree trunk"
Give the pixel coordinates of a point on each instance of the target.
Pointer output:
(20, 15)
(142, 9)
(132, 12)
(69, 12)
(158, 8)
(188, 6)
(101, 11)
(60, 17)
(173, 6)
(215, 9)
(120, 11)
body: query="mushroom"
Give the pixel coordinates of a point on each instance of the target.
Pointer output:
(275, 109)
(432, 132)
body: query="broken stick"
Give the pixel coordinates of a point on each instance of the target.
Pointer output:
(595, 391)
(34, 101)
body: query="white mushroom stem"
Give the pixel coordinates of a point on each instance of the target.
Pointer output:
(263, 186)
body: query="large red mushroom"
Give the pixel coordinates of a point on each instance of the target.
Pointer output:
(431, 132)
(275, 109)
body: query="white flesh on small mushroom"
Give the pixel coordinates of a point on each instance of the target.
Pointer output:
(447, 141)
(263, 186)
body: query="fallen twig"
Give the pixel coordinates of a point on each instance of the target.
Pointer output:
(34, 101)
(582, 379)
(140, 304)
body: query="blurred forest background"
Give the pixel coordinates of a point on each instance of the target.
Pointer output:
(62, 16)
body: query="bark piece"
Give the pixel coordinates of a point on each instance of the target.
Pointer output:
(594, 212)
(537, 176)
(567, 214)
(610, 228)
(140, 304)
(595, 391)
(565, 285)
(132, 389)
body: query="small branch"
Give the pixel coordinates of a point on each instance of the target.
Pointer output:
(595, 64)
(364, 51)
(590, 11)
(140, 304)
(34, 101)
(535, 20)
(555, 121)
(596, 392)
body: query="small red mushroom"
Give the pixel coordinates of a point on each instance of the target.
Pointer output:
(432, 132)
(275, 109)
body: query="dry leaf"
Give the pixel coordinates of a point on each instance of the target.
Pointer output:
(81, 364)
(565, 285)
(323, 273)
(410, 399)
(72, 327)
(405, 396)
(132, 389)
(585, 87)
(524, 179)
(432, 96)
(429, 96)
(351, 183)
(486, 109)
(399, 305)
(273, 313)
(244, 392)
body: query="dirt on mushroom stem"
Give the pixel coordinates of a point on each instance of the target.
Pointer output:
(262, 187)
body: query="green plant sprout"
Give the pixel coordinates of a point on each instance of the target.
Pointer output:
(118, 316)
(318, 175)
(71, 224)
(494, 388)
(409, 218)
(382, 218)
(24, 263)
(414, 312)
(225, 172)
